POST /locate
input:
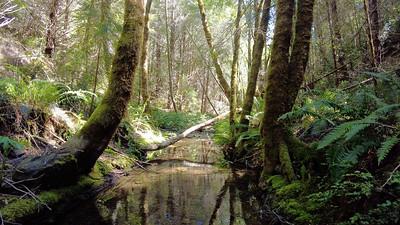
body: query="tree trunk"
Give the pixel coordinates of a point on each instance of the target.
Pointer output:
(79, 154)
(169, 56)
(106, 43)
(158, 66)
(337, 44)
(258, 48)
(213, 51)
(51, 29)
(283, 83)
(143, 58)
(96, 76)
(371, 13)
(234, 71)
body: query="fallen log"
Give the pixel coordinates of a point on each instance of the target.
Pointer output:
(173, 140)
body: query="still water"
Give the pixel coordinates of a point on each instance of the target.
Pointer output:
(180, 187)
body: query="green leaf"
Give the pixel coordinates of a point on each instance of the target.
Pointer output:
(386, 147)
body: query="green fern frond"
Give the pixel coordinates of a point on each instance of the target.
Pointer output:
(336, 134)
(386, 147)
(352, 128)
(386, 109)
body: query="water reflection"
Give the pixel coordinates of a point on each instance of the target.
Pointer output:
(201, 150)
(175, 192)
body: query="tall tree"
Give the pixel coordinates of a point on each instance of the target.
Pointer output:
(285, 75)
(213, 52)
(170, 57)
(105, 20)
(51, 29)
(339, 55)
(234, 71)
(371, 13)
(143, 58)
(79, 154)
(258, 48)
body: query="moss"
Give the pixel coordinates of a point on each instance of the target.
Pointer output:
(291, 190)
(295, 209)
(276, 181)
(22, 208)
(18, 208)
(286, 162)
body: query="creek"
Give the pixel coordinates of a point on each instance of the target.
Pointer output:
(181, 186)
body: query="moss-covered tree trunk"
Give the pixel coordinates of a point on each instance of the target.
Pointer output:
(143, 58)
(234, 69)
(79, 154)
(213, 52)
(258, 49)
(285, 75)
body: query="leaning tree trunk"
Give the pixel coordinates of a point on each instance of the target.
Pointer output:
(285, 75)
(79, 154)
(258, 49)
(213, 52)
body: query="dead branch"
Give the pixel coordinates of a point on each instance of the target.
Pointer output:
(358, 84)
(173, 140)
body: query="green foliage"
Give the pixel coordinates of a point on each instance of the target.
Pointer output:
(249, 137)
(222, 132)
(296, 209)
(7, 144)
(276, 181)
(37, 93)
(350, 129)
(386, 213)
(386, 146)
(291, 190)
(76, 100)
(176, 121)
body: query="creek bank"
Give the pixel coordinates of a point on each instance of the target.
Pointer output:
(16, 209)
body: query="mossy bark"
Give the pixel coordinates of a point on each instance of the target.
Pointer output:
(258, 48)
(79, 154)
(289, 58)
(213, 52)
(234, 69)
(272, 130)
(143, 58)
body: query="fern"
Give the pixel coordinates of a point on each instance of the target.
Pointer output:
(349, 129)
(7, 144)
(386, 146)
(352, 128)
(251, 134)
